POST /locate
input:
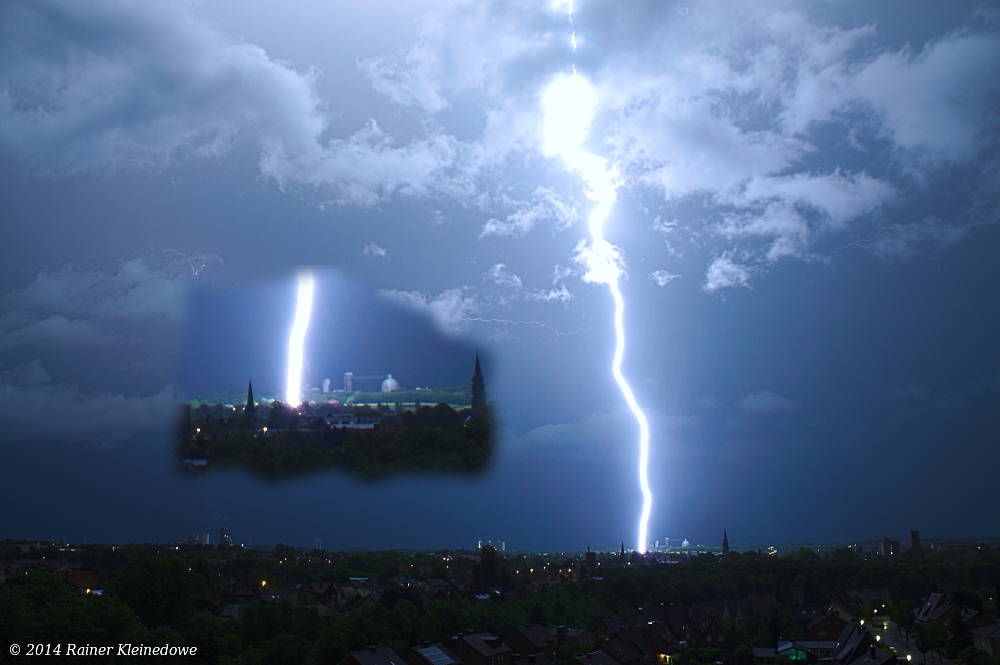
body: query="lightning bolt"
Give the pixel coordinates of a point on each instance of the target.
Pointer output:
(526, 323)
(297, 338)
(862, 241)
(568, 104)
(201, 259)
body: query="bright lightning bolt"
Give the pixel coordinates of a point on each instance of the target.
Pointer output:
(297, 338)
(569, 109)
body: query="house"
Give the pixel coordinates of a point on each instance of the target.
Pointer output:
(528, 640)
(481, 649)
(711, 637)
(324, 593)
(651, 641)
(852, 644)
(937, 608)
(373, 656)
(595, 658)
(534, 659)
(624, 653)
(608, 627)
(874, 656)
(803, 615)
(545, 577)
(987, 638)
(976, 619)
(81, 581)
(237, 593)
(431, 654)
(574, 638)
(826, 626)
(344, 593)
(808, 649)
(234, 611)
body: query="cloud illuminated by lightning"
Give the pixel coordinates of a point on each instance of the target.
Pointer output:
(568, 104)
(297, 338)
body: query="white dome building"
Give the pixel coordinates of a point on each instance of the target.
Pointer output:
(390, 384)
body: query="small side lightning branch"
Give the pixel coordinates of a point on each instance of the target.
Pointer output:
(558, 333)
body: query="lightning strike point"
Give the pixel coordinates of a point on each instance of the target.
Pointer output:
(297, 338)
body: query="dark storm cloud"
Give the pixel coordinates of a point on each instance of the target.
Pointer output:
(112, 320)
(764, 401)
(31, 400)
(119, 82)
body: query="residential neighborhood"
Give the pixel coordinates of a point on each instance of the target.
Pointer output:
(484, 607)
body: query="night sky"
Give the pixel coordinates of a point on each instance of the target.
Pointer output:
(808, 214)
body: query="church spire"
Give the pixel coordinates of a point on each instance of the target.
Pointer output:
(478, 389)
(250, 412)
(251, 407)
(725, 543)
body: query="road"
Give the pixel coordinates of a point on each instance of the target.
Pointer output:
(906, 648)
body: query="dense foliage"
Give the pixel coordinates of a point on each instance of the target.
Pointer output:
(433, 439)
(153, 595)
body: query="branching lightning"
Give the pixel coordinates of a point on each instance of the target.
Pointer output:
(297, 338)
(525, 323)
(197, 262)
(568, 104)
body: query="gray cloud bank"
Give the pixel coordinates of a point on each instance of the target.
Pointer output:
(112, 320)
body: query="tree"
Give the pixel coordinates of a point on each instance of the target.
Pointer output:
(930, 636)
(974, 656)
(280, 416)
(489, 567)
(160, 590)
(902, 615)
(537, 615)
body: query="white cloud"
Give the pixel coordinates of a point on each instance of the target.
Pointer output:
(663, 277)
(368, 167)
(548, 205)
(373, 250)
(723, 272)
(562, 294)
(502, 277)
(764, 401)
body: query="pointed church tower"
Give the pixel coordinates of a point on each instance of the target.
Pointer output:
(478, 400)
(725, 544)
(250, 412)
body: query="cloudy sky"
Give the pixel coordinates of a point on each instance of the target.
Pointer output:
(807, 215)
